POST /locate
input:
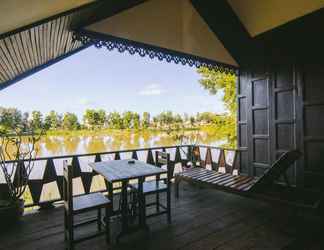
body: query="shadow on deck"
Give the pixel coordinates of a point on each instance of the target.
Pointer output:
(202, 219)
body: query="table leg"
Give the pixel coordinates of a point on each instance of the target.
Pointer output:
(110, 195)
(142, 204)
(124, 207)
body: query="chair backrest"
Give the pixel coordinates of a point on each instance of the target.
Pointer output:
(163, 158)
(278, 168)
(67, 186)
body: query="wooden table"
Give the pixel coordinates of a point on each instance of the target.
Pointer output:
(123, 171)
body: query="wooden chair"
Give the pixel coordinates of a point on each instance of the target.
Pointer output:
(264, 187)
(75, 205)
(159, 185)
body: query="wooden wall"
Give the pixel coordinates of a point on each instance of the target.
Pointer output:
(281, 107)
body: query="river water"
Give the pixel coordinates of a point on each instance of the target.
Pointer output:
(92, 142)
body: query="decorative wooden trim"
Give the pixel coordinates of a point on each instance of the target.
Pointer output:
(121, 45)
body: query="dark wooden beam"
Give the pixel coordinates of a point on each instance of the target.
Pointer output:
(226, 25)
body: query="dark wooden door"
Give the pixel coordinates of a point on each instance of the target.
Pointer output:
(259, 120)
(267, 115)
(311, 81)
(284, 113)
(254, 121)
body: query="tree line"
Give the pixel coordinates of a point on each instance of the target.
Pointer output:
(11, 118)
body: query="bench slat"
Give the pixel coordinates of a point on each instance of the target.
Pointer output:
(234, 180)
(210, 176)
(239, 184)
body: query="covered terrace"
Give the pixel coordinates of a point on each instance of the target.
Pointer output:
(276, 50)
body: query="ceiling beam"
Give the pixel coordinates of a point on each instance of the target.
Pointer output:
(226, 25)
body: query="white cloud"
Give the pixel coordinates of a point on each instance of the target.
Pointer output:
(152, 89)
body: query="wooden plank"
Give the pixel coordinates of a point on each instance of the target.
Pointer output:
(47, 33)
(6, 67)
(52, 39)
(56, 28)
(24, 50)
(25, 37)
(246, 186)
(120, 170)
(19, 51)
(234, 180)
(193, 171)
(210, 180)
(34, 46)
(222, 177)
(37, 44)
(61, 29)
(5, 57)
(14, 58)
(201, 175)
(210, 176)
(64, 38)
(42, 43)
(8, 57)
(69, 44)
(225, 178)
(197, 174)
(237, 185)
(3, 74)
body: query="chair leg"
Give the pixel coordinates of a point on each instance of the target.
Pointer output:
(169, 205)
(99, 219)
(157, 202)
(71, 233)
(176, 183)
(107, 218)
(65, 226)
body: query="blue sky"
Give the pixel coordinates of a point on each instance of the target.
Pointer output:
(97, 78)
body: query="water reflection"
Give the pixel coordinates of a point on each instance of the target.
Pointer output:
(118, 140)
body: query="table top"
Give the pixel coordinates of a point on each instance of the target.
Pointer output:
(119, 170)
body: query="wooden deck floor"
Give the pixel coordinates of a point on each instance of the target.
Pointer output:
(202, 219)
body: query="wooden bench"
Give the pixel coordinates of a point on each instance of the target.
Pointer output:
(264, 187)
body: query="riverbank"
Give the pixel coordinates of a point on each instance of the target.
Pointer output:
(84, 132)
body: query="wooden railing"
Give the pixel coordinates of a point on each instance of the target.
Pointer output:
(45, 184)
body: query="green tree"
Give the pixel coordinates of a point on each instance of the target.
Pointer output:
(94, 118)
(146, 120)
(10, 118)
(136, 121)
(177, 118)
(25, 120)
(115, 120)
(192, 121)
(102, 118)
(127, 119)
(70, 121)
(215, 82)
(165, 118)
(89, 118)
(53, 121)
(37, 120)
